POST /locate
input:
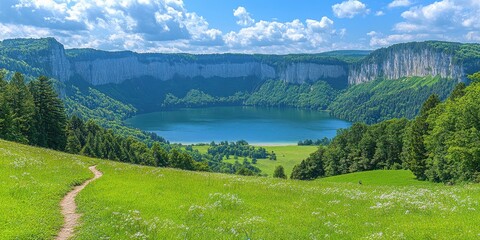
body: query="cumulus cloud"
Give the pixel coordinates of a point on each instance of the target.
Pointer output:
(379, 13)
(349, 9)
(399, 3)
(441, 16)
(159, 26)
(126, 24)
(310, 34)
(244, 18)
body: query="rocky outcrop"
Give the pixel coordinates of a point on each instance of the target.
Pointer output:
(397, 63)
(60, 65)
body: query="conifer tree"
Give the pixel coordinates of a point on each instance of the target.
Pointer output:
(5, 112)
(50, 118)
(20, 102)
(415, 153)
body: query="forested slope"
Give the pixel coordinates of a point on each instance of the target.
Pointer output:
(441, 144)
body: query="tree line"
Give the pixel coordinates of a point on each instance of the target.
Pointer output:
(442, 144)
(239, 149)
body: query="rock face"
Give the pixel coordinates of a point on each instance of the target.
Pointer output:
(60, 65)
(116, 70)
(395, 64)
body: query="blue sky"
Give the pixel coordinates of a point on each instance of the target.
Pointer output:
(246, 26)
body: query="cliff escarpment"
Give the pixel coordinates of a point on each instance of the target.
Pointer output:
(98, 68)
(446, 60)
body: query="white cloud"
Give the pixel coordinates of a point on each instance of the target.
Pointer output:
(159, 26)
(244, 18)
(379, 13)
(309, 36)
(399, 3)
(445, 16)
(111, 25)
(349, 9)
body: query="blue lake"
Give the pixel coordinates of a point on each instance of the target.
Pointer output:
(256, 125)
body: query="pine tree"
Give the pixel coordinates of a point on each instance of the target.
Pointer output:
(73, 144)
(20, 102)
(5, 111)
(50, 118)
(415, 153)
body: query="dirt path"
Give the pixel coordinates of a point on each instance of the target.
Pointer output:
(69, 207)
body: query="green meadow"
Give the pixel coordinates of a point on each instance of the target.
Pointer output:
(33, 181)
(138, 202)
(287, 156)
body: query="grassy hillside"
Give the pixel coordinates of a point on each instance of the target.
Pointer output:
(139, 202)
(33, 181)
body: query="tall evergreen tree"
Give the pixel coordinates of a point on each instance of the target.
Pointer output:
(50, 118)
(20, 102)
(415, 153)
(5, 111)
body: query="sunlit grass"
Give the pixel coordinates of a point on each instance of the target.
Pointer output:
(32, 183)
(137, 202)
(144, 202)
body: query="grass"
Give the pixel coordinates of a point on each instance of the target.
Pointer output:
(287, 156)
(379, 178)
(138, 202)
(33, 181)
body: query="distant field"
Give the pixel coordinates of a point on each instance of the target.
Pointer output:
(137, 202)
(287, 156)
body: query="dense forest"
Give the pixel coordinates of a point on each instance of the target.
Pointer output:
(316, 96)
(382, 99)
(441, 144)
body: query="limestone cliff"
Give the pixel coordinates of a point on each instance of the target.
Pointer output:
(104, 70)
(405, 60)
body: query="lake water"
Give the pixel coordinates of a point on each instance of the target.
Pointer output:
(256, 125)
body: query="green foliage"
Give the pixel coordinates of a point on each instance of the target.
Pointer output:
(91, 140)
(318, 95)
(279, 172)
(380, 100)
(414, 152)
(474, 77)
(319, 142)
(441, 144)
(240, 149)
(92, 104)
(20, 106)
(31, 114)
(453, 141)
(197, 98)
(49, 119)
(359, 148)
